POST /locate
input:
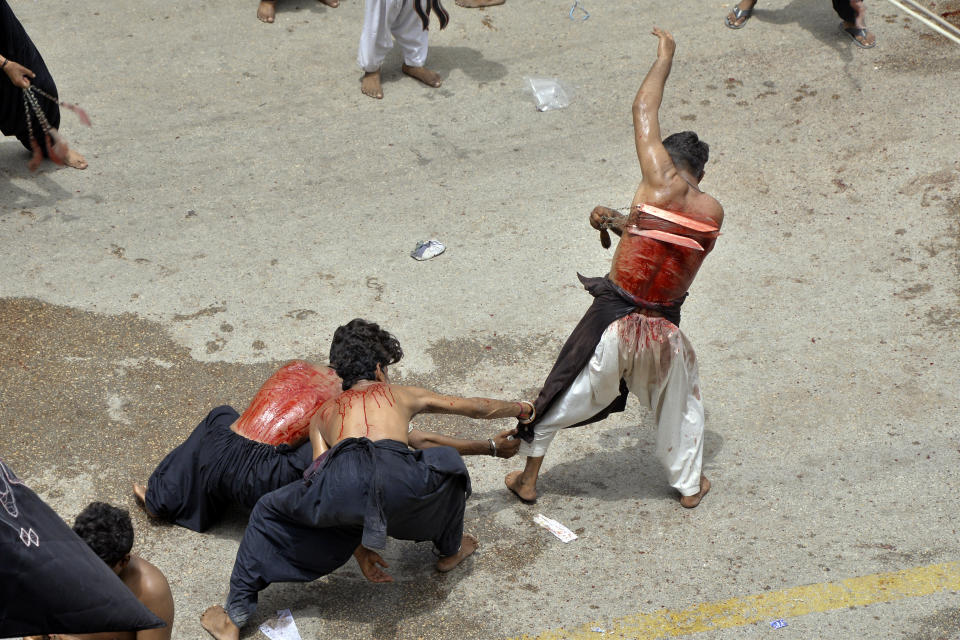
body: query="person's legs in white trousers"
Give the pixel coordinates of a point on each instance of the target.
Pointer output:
(659, 366)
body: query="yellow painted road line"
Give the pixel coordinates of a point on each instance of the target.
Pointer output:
(788, 603)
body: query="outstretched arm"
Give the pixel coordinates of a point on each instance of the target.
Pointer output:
(655, 163)
(502, 445)
(426, 401)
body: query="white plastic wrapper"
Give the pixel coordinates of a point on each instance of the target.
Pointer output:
(281, 628)
(427, 249)
(549, 93)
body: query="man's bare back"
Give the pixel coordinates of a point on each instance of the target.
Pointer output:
(378, 410)
(150, 587)
(648, 268)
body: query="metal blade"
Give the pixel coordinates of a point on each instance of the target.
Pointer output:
(678, 218)
(664, 236)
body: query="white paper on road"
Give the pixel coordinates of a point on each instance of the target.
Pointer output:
(555, 528)
(283, 628)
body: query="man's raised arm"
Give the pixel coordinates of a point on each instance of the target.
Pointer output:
(655, 163)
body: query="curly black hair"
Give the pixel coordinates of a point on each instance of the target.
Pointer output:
(358, 347)
(107, 530)
(688, 151)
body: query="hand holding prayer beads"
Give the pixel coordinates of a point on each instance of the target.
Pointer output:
(19, 75)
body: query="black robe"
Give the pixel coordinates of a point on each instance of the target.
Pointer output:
(50, 580)
(359, 491)
(17, 46)
(610, 303)
(216, 468)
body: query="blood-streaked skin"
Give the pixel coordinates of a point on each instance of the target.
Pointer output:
(377, 394)
(657, 271)
(280, 412)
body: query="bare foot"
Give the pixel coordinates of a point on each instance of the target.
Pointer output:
(333, 4)
(75, 160)
(218, 624)
(689, 502)
(526, 492)
(267, 11)
(468, 544)
(140, 493)
(370, 84)
(474, 4)
(424, 75)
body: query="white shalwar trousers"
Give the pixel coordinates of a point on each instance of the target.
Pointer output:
(660, 367)
(385, 21)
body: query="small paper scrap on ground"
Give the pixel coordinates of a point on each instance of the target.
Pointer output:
(283, 628)
(427, 249)
(555, 528)
(778, 624)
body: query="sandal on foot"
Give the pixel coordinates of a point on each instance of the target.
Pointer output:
(859, 32)
(739, 13)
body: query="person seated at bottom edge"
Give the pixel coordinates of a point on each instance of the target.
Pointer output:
(109, 532)
(365, 483)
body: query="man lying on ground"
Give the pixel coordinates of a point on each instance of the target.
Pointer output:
(232, 460)
(364, 484)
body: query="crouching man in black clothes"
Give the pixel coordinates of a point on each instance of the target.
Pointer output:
(365, 483)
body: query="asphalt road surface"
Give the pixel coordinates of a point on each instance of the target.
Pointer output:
(244, 198)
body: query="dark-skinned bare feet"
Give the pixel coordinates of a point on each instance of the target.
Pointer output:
(525, 492)
(370, 84)
(75, 160)
(267, 11)
(475, 4)
(218, 624)
(140, 493)
(424, 75)
(333, 4)
(689, 502)
(468, 544)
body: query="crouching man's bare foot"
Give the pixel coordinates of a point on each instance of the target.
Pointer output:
(424, 75)
(75, 160)
(218, 624)
(468, 544)
(689, 502)
(333, 4)
(140, 493)
(526, 492)
(370, 84)
(474, 4)
(267, 11)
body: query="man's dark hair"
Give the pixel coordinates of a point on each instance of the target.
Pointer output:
(358, 347)
(107, 530)
(688, 152)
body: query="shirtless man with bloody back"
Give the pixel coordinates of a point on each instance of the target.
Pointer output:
(629, 339)
(365, 483)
